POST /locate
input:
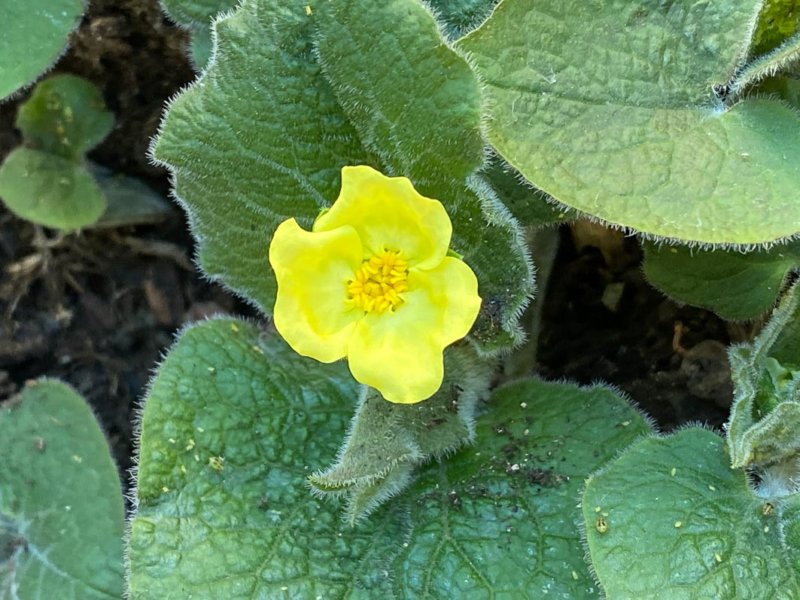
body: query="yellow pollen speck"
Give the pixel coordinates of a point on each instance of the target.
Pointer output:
(183, 469)
(575, 576)
(257, 349)
(712, 488)
(766, 529)
(378, 283)
(165, 489)
(678, 524)
(77, 458)
(717, 557)
(190, 445)
(309, 12)
(673, 471)
(234, 328)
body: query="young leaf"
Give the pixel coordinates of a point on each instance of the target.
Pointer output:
(608, 106)
(670, 519)
(65, 116)
(235, 422)
(418, 108)
(734, 285)
(34, 35)
(61, 509)
(46, 180)
(50, 190)
(764, 426)
(386, 439)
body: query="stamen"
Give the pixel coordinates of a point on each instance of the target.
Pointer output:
(378, 283)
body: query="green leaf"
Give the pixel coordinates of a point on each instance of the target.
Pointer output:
(261, 137)
(34, 35)
(418, 108)
(460, 16)
(386, 439)
(50, 190)
(778, 20)
(496, 519)
(46, 181)
(670, 519)
(61, 509)
(608, 106)
(257, 139)
(734, 285)
(764, 427)
(528, 205)
(196, 16)
(65, 116)
(130, 201)
(197, 12)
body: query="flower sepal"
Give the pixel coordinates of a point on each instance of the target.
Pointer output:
(387, 441)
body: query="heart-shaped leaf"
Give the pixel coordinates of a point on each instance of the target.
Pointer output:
(609, 106)
(236, 421)
(61, 509)
(670, 519)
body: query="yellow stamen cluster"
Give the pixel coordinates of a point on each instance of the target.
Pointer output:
(379, 282)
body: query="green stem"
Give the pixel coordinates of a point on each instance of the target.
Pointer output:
(766, 65)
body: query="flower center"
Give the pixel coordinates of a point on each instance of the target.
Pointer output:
(379, 282)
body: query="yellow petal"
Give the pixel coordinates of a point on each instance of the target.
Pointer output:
(400, 353)
(312, 270)
(453, 289)
(388, 213)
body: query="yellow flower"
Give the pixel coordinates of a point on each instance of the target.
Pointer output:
(373, 281)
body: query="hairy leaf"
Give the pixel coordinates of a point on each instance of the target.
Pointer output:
(609, 106)
(236, 421)
(734, 285)
(670, 519)
(257, 139)
(419, 110)
(764, 427)
(61, 509)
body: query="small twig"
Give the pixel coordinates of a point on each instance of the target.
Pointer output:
(677, 335)
(158, 249)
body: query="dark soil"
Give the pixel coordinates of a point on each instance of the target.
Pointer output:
(99, 309)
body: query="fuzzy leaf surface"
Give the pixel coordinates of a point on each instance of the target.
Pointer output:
(196, 12)
(386, 439)
(679, 523)
(608, 106)
(246, 526)
(196, 16)
(764, 426)
(61, 509)
(461, 16)
(257, 139)
(734, 285)
(34, 35)
(419, 109)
